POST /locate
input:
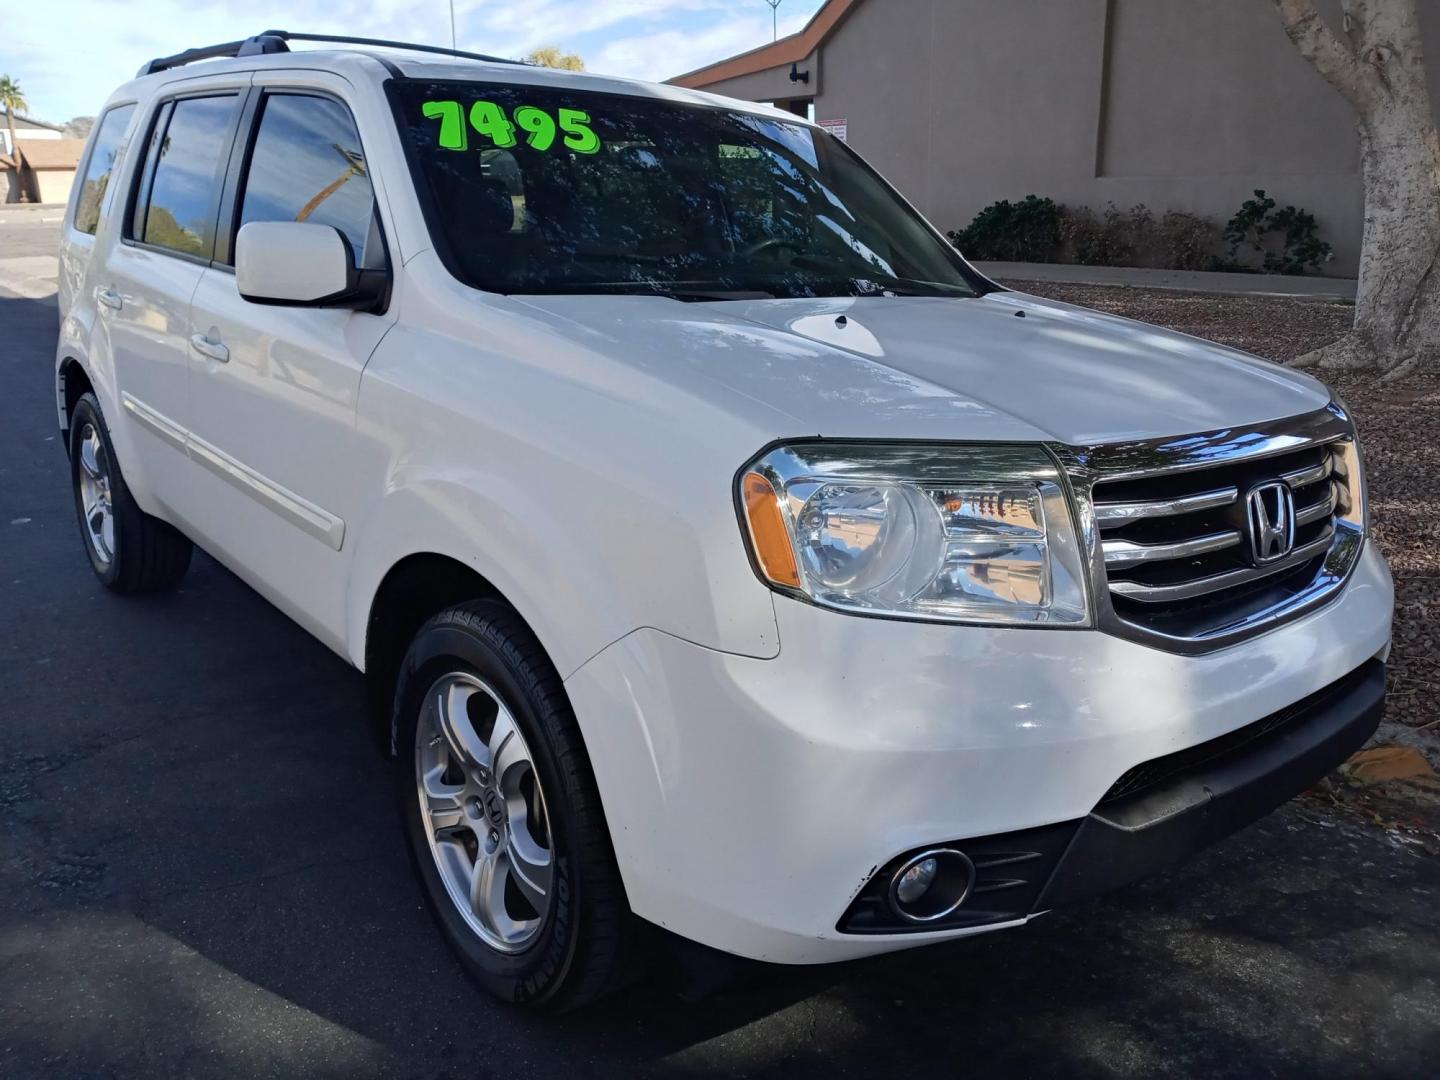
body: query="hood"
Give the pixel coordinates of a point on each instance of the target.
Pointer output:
(1006, 366)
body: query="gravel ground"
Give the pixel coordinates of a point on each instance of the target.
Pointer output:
(1400, 433)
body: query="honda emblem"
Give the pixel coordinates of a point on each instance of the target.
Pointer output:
(1270, 517)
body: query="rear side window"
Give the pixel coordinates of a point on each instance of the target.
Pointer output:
(185, 191)
(100, 167)
(307, 165)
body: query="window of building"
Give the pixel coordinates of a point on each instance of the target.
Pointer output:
(101, 166)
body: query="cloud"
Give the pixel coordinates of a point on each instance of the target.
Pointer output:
(68, 55)
(667, 53)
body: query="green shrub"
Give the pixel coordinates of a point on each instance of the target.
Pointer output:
(1035, 229)
(1024, 231)
(1287, 241)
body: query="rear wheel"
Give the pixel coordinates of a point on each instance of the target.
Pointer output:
(502, 814)
(130, 551)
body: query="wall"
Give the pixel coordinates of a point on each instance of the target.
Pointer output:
(773, 84)
(54, 184)
(1171, 103)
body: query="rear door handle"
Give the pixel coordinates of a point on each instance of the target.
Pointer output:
(111, 299)
(213, 349)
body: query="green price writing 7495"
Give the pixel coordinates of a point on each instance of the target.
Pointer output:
(489, 119)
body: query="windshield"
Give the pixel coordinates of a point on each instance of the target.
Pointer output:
(532, 189)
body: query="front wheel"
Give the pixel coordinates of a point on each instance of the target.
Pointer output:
(502, 813)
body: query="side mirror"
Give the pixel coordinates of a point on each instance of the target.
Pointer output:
(303, 265)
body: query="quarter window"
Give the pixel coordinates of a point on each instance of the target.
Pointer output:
(100, 167)
(185, 191)
(307, 165)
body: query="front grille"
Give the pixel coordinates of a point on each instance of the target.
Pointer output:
(1176, 545)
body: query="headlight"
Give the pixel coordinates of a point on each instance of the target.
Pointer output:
(953, 533)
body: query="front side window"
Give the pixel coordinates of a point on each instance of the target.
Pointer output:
(185, 191)
(547, 189)
(307, 165)
(100, 167)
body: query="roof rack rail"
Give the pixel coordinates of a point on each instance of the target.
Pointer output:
(276, 41)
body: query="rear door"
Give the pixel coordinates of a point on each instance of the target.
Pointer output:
(143, 291)
(274, 388)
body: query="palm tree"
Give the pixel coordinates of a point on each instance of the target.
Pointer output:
(13, 99)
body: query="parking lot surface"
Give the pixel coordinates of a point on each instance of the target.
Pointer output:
(202, 874)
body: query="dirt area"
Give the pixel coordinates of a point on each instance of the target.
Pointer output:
(1400, 437)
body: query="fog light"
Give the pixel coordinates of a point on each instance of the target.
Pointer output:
(916, 880)
(931, 885)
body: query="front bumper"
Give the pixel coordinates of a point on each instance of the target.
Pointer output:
(751, 802)
(1156, 815)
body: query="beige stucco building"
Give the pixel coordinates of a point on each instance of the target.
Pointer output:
(1177, 104)
(44, 168)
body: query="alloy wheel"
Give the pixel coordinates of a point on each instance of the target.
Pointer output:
(483, 811)
(95, 495)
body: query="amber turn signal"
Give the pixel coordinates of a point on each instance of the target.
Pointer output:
(768, 535)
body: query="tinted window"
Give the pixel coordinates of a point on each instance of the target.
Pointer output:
(185, 192)
(307, 166)
(100, 167)
(536, 189)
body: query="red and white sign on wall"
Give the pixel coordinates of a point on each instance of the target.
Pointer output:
(839, 128)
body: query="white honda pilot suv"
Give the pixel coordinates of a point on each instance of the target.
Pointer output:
(722, 551)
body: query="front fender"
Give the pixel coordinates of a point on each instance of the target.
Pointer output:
(580, 584)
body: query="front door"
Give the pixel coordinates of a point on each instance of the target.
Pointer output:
(274, 388)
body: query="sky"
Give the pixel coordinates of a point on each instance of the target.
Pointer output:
(68, 55)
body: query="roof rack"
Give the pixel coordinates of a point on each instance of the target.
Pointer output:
(276, 41)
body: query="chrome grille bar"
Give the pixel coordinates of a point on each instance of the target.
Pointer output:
(1126, 553)
(1122, 513)
(1323, 509)
(1188, 590)
(1303, 477)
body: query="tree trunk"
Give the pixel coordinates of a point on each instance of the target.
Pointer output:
(1379, 67)
(19, 182)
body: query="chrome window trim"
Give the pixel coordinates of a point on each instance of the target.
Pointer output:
(1087, 466)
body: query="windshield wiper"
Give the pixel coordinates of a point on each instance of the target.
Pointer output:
(694, 295)
(686, 294)
(908, 287)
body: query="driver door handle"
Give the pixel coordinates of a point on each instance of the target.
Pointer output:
(111, 299)
(213, 349)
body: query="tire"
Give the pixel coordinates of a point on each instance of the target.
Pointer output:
(130, 551)
(477, 688)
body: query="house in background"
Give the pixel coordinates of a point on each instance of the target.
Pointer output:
(1171, 103)
(47, 168)
(26, 128)
(20, 181)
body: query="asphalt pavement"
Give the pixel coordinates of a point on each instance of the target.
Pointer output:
(202, 874)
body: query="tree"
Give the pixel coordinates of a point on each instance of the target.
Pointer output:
(79, 127)
(1375, 61)
(552, 56)
(13, 99)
